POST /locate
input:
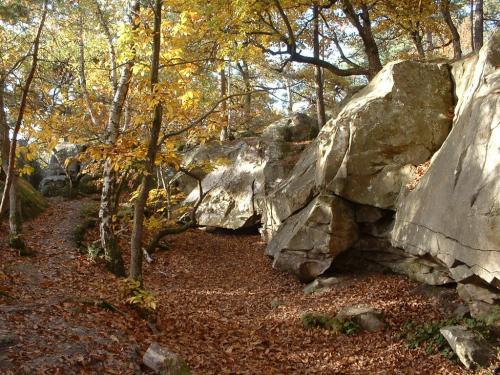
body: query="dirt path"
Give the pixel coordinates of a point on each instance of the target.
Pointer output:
(215, 295)
(53, 326)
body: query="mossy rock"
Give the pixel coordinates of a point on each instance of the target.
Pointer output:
(33, 202)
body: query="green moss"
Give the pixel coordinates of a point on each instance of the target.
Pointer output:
(429, 337)
(323, 321)
(33, 202)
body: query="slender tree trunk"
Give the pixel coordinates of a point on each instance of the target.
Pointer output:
(417, 40)
(15, 219)
(318, 76)
(478, 25)
(445, 11)
(247, 104)
(430, 41)
(223, 93)
(229, 126)
(106, 211)
(471, 17)
(140, 203)
(289, 95)
(22, 106)
(363, 25)
(14, 212)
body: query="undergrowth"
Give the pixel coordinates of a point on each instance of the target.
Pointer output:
(89, 212)
(428, 336)
(142, 299)
(323, 321)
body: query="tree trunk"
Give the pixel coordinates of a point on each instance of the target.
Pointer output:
(15, 219)
(417, 40)
(140, 203)
(247, 104)
(223, 93)
(318, 76)
(430, 41)
(471, 18)
(106, 211)
(289, 95)
(478, 25)
(10, 173)
(363, 25)
(445, 11)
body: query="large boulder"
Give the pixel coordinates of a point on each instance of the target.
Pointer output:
(235, 189)
(398, 120)
(308, 241)
(291, 194)
(230, 199)
(364, 156)
(64, 160)
(453, 214)
(63, 167)
(32, 202)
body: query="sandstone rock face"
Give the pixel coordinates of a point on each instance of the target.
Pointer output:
(365, 155)
(62, 152)
(291, 194)
(214, 152)
(308, 241)
(295, 128)
(400, 119)
(230, 201)
(453, 214)
(236, 189)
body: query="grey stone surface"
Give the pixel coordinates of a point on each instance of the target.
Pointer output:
(164, 362)
(397, 121)
(368, 318)
(453, 214)
(308, 241)
(236, 190)
(471, 349)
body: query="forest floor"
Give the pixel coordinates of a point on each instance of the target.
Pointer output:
(214, 295)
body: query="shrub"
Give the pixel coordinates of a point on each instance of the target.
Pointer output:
(429, 337)
(138, 297)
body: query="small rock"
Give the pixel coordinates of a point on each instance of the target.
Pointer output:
(320, 284)
(461, 272)
(472, 292)
(486, 312)
(165, 362)
(471, 349)
(328, 281)
(461, 311)
(311, 287)
(368, 318)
